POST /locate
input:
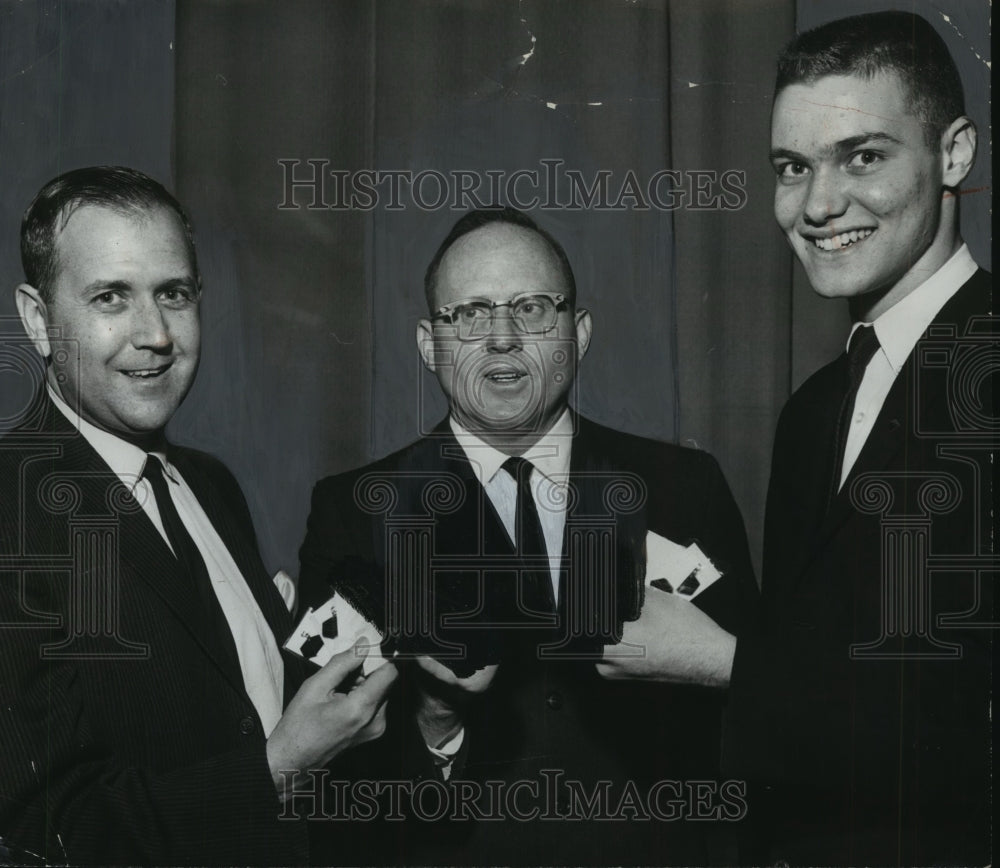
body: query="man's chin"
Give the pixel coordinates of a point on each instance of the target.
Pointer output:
(510, 421)
(143, 428)
(837, 285)
(864, 294)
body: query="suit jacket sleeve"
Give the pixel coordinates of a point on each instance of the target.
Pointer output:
(732, 601)
(338, 550)
(760, 665)
(690, 501)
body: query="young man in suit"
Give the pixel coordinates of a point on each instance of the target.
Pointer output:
(860, 707)
(501, 552)
(142, 690)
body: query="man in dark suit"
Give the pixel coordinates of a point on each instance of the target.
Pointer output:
(860, 707)
(142, 690)
(501, 553)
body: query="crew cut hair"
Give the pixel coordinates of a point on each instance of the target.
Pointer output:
(882, 42)
(484, 217)
(124, 190)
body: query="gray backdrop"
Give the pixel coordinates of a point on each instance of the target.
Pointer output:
(703, 325)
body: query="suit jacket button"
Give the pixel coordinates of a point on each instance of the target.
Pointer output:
(246, 725)
(554, 701)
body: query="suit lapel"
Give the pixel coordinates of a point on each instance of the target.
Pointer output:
(883, 444)
(142, 552)
(241, 547)
(904, 407)
(145, 555)
(478, 522)
(596, 480)
(584, 499)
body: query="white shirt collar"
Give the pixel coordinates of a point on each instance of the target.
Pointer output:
(900, 327)
(550, 454)
(125, 459)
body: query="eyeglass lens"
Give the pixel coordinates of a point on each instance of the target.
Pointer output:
(533, 314)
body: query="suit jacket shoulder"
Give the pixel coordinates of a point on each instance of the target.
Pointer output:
(974, 299)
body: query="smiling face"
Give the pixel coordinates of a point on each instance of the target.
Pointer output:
(124, 307)
(507, 385)
(860, 195)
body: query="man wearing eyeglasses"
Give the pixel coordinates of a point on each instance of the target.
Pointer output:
(500, 554)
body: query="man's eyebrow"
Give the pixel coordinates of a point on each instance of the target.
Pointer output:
(877, 138)
(849, 144)
(787, 154)
(178, 282)
(99, 286)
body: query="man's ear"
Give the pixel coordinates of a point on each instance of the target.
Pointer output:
(425, 343)
(34, 317)
(958, 151)
(584, 329)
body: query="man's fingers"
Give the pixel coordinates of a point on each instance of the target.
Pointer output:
(373, 689)
(339, 666)
(436, 669)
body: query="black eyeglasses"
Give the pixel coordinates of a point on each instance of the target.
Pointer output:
(533, 314)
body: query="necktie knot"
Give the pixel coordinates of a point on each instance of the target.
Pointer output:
(154, 474)
(177, 534)
(519, 468)
(152, 469)
(863, 345)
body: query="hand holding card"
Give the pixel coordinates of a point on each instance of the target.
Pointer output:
(334, 627)
(676, 569)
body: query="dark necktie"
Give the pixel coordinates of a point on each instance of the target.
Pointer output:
(189, 556)
(864, 344)
(530, 541)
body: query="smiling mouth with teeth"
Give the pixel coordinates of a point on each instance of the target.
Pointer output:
(147, 374)
(845, 239)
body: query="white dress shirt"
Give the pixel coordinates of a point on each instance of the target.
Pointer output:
(260, 659)
(898, 330)
(549, 480)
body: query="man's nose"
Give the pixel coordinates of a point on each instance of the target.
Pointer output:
(826, 198)
(505, 334)
(150, 327)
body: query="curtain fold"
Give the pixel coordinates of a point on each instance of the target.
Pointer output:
(733, 269)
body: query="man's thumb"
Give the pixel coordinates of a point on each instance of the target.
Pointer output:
(339, 666)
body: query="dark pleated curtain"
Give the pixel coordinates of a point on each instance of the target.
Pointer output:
(316, 306)
(703, 325)
(284, 393)
(733, 268)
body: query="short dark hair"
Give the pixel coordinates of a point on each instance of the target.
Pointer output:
(484, 217)
(881, 42)
(119, 188)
